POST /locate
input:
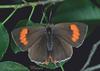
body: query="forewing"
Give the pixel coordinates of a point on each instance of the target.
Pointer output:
(25, 37)
(73, 33)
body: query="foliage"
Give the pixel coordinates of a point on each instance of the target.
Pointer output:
(4, 40)
(65, 11)
(12, 66)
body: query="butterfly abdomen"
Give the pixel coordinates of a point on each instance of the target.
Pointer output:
(49, 38)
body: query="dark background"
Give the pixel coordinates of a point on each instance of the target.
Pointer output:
(79, 57)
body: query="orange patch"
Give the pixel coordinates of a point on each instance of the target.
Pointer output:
(24, 31)
(74, 39)
(23, 36)
(23, 40)
(75, 32)
(25, 43)
(75, 36)
(74, 28)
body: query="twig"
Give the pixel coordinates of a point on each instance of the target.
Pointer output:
(29, 4)
(93, 68)
(44, 14)
(42, 18)
(62, 69)
(9, 16)
(24, 1)
(31, 13)
(90, 56)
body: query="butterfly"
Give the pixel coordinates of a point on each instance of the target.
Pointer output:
(50, 43)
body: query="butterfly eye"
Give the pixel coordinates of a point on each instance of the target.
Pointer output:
(75, 32)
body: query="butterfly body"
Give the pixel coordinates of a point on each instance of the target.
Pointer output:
(52, 43)
(49, 38)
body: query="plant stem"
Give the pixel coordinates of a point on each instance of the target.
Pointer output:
(33, 7)
(61, 67)
(93, 68)
(9, 16)
(24, 1)
(29, 4)
(95, 46)
(43, 16)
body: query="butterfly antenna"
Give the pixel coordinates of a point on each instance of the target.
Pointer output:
(50, 16)
(47, 19)
(51, 13)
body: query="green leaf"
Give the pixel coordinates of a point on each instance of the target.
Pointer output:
(4, 40)
(98, 1)
(84, 11)
(23, 23)
(12, 66)
(76, 10)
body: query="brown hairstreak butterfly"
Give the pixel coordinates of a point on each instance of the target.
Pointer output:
(50, 43)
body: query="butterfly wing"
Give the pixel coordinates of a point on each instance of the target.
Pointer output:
(62, 51)
(73, 33)
(25, 37)
(38, 52)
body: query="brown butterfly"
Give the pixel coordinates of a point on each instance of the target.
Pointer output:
(51, 43)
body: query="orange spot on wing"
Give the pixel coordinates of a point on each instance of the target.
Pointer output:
(75, 36)
(74, 40)
(75, 32)
(23, 36)
(24, 31)
(25, 43)
(23, 40)
(74, 27)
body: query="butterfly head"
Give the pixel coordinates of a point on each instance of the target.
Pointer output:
(48, 29)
